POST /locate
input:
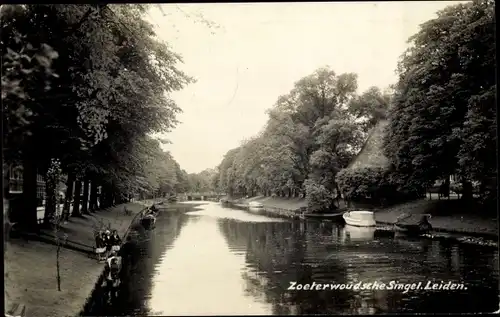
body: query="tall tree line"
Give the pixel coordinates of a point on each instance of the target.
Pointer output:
(443, 117)
(88, 85)
(312, 132)
(441, 112)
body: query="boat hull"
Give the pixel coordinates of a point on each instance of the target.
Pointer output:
(256, 210)
(415, 229)
(148, 223)
(323, 216)
(255, 205)
(358, 222)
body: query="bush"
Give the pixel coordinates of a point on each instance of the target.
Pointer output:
(318, 197)
(376, 184)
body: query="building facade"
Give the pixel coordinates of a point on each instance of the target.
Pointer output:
(16, 184)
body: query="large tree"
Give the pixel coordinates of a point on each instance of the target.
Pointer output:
(312, 132)
(112, 92)
(442, 121)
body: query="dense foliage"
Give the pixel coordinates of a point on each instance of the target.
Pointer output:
(377, 185)
(443, 117)
(442, 122)
(362, 182)
(203, 182)
(107, 83)
(312, 132)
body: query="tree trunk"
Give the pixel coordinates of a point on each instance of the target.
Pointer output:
(29, 217)
(76, 201)
(58, 267)
(85, 200)
(106, 196)
(332, 205)
(447, 185)
(6, 218)
(50, 201)
(93, 196)
(467, 190)
(68, 196)
(102, 198)
(112, 197)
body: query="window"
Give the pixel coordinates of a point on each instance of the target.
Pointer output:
(16, 172)
(16, 186)
(15, 179)
(40, 194)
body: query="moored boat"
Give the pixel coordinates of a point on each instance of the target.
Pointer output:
(360, 218)
(321, 216)
(255, 205)
(148, 221)
(413, 224)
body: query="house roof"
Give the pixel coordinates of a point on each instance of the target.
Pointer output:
(371, 154)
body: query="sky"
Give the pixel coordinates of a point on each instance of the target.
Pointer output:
(257, 51)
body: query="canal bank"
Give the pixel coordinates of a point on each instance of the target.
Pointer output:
(470, 224)
(222, 261)
(168, 226)
(273, 206)
(30, 264)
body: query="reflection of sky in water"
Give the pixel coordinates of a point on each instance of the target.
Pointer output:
(215, 210)
(229, 261)
(198, 276)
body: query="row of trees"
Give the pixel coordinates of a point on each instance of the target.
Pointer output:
(202, 182)
(442, 122)
(312, 133)
(87, 86)
(443, 118)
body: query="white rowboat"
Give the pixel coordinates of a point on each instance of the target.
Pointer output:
(255, 205)
(360, 218)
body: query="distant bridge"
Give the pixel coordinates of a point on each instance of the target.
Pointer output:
(201, 195)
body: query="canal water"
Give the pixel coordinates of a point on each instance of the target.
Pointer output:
(220, 261)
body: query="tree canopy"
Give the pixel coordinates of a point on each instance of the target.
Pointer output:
(443, 116)
(108, 83)
(312, 132)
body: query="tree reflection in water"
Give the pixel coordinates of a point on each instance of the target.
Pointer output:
(152, 246)
(277, 253)
(136, 286)
(268, 255)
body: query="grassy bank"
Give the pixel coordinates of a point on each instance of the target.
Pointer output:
(30, 265)
(291, 204)
(447, 215)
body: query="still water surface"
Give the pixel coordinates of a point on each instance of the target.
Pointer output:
(220, 261)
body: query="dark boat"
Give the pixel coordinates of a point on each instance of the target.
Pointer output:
(154, 211)
(148, 221)
(337, 215)
(413, 224)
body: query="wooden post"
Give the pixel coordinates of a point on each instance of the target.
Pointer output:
(85, 200)
(76, 200)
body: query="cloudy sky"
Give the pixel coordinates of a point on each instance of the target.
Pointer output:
(257, 52)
